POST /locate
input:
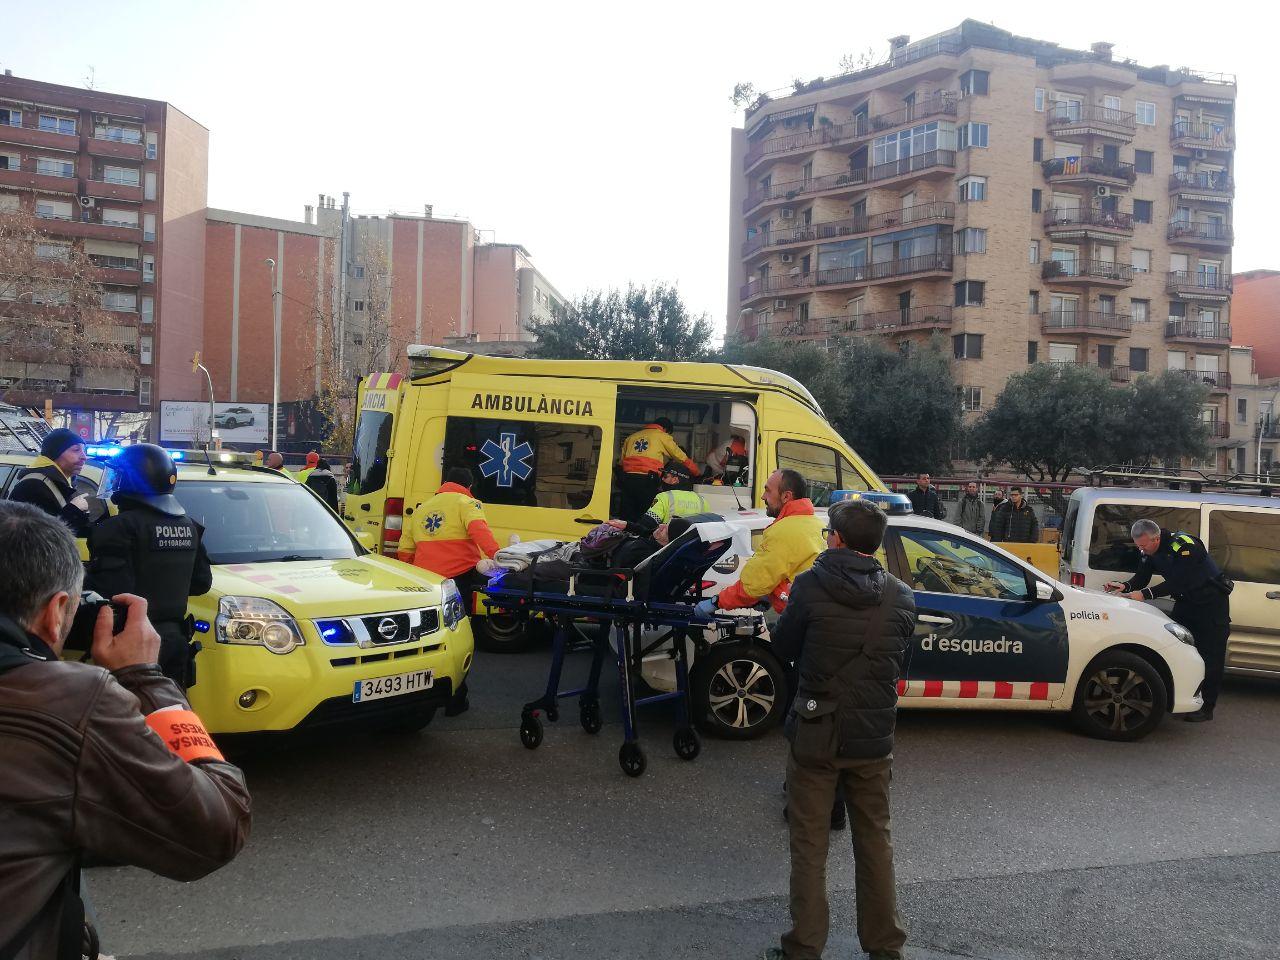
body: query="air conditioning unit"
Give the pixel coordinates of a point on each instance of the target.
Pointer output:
(788, 258)
(779, 304)
(1103, 190)
(86, 202)
(786, 213)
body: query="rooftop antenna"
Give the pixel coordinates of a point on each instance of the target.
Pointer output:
(90, 79)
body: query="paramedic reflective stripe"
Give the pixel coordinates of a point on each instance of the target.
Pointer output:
(980, 689)
(383, 381)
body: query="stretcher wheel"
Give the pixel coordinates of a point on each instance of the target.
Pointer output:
(687, 743)
(589, 717)
(631, 759)
(531, 732)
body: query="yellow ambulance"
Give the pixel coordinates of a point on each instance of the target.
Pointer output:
(543, 437)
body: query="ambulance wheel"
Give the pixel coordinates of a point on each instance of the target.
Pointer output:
(631, 759)
(589, 717)
(687, 744)
(506, 633)
(739, 691)
(531, 732)
(1120, 697)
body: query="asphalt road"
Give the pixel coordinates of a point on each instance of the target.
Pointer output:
(1015, 838)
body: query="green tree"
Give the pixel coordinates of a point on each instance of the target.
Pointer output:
(639, 323)
(1164, 413)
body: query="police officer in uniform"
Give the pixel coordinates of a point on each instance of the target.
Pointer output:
(677, 499)
(151, 548)
(1200, 594)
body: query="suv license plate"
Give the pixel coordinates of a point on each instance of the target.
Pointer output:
(393, 686)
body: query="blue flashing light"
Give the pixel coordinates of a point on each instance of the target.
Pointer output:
(335, 632)
(103, 451)
(894, 504)
(201, 626)
(176, 454)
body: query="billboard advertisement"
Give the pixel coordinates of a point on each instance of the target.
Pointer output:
(184, 422)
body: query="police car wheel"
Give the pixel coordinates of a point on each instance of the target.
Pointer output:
(739, 691)
(506, 633)
(1120, 697)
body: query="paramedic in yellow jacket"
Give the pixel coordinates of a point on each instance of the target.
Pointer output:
(787, 549)
(644, 454)
(449, 535)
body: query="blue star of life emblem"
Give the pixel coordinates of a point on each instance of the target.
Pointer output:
(642, 446)
(506, 460)
(433, 522)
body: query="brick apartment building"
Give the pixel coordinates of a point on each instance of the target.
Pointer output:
(1255, 317)
(1032, 203)
(125, 180)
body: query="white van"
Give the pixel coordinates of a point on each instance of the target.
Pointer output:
(1241, 532)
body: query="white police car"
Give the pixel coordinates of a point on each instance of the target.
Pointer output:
(992, 632)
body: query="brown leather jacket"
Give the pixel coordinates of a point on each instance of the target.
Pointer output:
(82, 772)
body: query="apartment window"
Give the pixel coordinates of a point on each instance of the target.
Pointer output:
(120, 300)
(1064, 353)
(148, 309)
(970, 240)
(9, 203)
(10, 117)
(152, 146)
(149, 187)
(148, 268)
(967, 346)
(119, 218)
(1141, 260)
(973, 135)
(1035, 201)
(1106, 356)
(1142, 211)
(144, 391)
(358, 306)
(802, 312)
(53, 251)
(1037, 149)
(54, 124)
(145, 346)
(124, 175)
(53, 209)
(1144, 161)
(1138, 359)
(1146, 113)
(51, 167)
(970, 398)
(923, 138)
(1177, 310)
(148, 227)
(974, 83)
(971, 189)
(358, 272)
(1179, 263)
(1039, 100)
(969, 293)
(1033, 302)
(806, 171)
(1033, 351)
(111, 131)
(1140, 310)
(10, 161)
(1242, 410)
(1033, 252)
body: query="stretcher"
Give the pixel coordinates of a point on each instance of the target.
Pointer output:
(629, 603)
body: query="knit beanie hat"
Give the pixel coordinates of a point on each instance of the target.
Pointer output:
(57, 442)
(313, 458)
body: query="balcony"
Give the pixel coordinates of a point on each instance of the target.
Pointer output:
(29, 176)
(1197, 331)
(1199, 285)
(921, 164)
(1088, 170)
(1200, 233)
(1202, 136)
(118, 270)
(1085, 119)
(30, 136)
(116, 148)
(1087, 223)
(847, 276)
(1105, 272)
(1205, 185)
(1218, 429)
(1218, 381)
(105, 190)
(1092, 322)
(940, 212)
(1117, 373)
(1268, 430)
(888, 321)
(89, 225)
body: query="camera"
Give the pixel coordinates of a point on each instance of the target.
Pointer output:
(91, 604)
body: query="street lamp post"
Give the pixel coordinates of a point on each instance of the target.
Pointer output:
(275, 355)
(1263, 424)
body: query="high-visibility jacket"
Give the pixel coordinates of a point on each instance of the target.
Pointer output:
(666, 506)
(301, 475)
(787, 549)
(648, 450)
(447, 534)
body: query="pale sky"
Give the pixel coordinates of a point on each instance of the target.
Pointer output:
(598, 139)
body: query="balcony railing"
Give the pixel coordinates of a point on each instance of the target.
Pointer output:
(1205, 181)
(115, 263)
(865, 273)
(1187, 231)
(1086, 167)
(1267, 430)
(1077, 217)
(1215, 136)
(1085, 321)
(791, 189)
(1179, 328)
(1218, 429)
(1086, 270)
(811, 233)
(888, 321)
(1067, 114)
(1214, 379)
(1118, 374)
(1191, 283)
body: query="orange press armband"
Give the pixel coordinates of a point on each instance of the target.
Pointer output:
(184, 734)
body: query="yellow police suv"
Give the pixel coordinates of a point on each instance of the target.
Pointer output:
(304, 627)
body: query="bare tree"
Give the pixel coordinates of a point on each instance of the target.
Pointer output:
(851, 63)
(56, 330)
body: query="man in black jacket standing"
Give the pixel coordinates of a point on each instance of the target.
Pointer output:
(847, 626)
(49, 483)
(924, 499)
(1014, 521)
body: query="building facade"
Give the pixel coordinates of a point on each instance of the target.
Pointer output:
(124, 180)
(1255, 317)
(1032, 204)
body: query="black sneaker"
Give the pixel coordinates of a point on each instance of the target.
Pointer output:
(1203, 715)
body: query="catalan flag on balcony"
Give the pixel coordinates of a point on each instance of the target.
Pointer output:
(1071, 166)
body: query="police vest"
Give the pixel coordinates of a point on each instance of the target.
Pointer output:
(670, 504)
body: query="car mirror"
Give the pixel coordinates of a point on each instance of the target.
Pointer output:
(1045, 592)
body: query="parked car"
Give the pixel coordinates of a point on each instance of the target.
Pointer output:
(234, 417)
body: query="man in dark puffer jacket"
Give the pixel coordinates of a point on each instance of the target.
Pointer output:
(847, 625)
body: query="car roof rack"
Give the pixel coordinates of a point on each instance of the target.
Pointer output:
(1195, 481)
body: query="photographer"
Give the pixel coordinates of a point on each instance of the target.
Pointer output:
(104, 760)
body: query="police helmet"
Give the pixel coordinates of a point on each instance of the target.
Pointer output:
(678, 470)
(146, 472)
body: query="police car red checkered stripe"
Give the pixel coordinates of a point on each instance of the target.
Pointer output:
(979, 690)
